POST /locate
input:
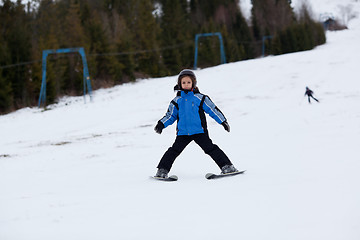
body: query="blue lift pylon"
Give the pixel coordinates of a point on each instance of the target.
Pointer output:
(222, 50)
(86, 77)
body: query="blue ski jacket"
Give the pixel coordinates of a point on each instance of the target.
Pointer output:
(188, 109)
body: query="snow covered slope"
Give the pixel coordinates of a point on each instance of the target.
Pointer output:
(81, 171)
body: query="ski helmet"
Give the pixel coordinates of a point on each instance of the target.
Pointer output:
(189, 73)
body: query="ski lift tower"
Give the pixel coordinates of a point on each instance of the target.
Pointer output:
(86, 77)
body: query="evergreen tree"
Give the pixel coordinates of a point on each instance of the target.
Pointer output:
(176, 33)
(16, 33)
(74, 37)
(226, 17)
(304, 34)
(99, 43)
(145, 30)
(48, 34)
(5, 94)
(120, 38)
(242, 34)
(269, 17)
(6, 97)
(316, 31)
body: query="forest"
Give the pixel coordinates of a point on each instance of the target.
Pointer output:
(126, 40)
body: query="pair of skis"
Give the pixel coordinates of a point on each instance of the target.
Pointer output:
(208, 176)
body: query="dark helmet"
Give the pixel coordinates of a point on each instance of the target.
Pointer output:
(187, 72)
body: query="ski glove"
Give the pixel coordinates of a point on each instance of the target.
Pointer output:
(159, 127)
(226, 126)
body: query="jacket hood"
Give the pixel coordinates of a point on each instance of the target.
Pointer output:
(176, 88)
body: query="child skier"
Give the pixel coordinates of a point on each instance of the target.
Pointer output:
(309, 93)
(188, 109)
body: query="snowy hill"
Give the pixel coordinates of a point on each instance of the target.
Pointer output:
(81, 171)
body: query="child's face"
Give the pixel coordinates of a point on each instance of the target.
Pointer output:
(186, 83)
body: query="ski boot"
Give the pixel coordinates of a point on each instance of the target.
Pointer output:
(228, 169)
(162, 173)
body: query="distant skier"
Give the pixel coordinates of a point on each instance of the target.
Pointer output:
(309, 93)
(188, 108)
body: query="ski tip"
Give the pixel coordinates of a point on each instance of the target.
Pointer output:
(174, 177)
(209, 175)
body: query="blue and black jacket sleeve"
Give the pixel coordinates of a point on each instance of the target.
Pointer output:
(213, 111)
(172, 113)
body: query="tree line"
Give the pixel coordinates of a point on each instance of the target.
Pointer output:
(129, 39)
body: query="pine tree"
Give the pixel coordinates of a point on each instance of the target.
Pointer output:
(270, 17)
(98, 43)
(145, 37)
(74, 36)
(243, 37)
(226, 17)
(303, 34)
(16, 34)
(48, 34)
(177, 34)
(5, 95)
(106, 29)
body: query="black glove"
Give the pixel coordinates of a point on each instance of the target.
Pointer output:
(159, 127)
(226, 126)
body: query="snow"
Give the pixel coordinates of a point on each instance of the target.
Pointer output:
(245, 7)
(338, 9)
(81, 171)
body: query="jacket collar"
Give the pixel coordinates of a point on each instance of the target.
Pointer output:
(183, 93)
(187, 94)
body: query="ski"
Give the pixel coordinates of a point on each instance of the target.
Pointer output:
(215, 176)
(172, 178)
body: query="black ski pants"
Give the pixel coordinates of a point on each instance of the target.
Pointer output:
(312, 98)
(203, 141)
